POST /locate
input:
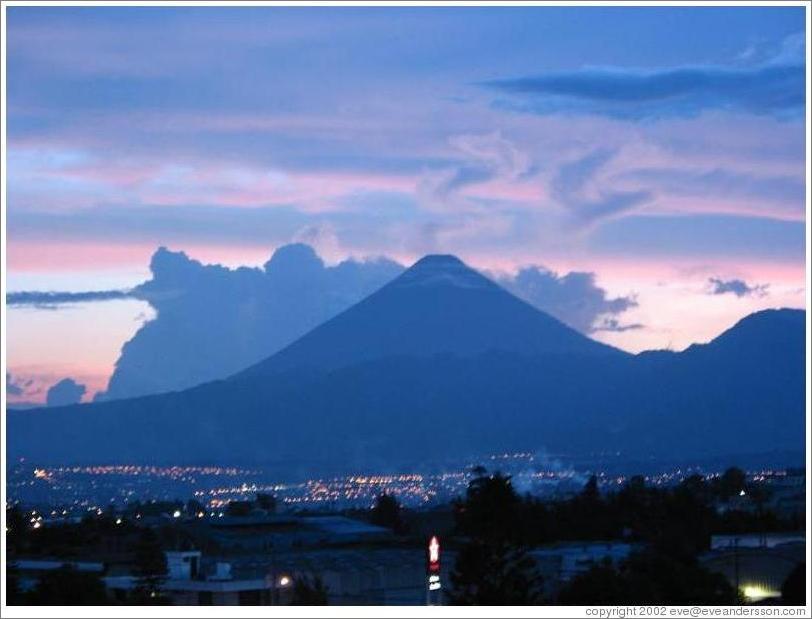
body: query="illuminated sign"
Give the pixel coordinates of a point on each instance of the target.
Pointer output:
(434, 555)
(433, 569)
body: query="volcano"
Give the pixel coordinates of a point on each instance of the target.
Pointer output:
(438, 306)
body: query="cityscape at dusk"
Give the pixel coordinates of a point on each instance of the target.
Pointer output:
(435, 305)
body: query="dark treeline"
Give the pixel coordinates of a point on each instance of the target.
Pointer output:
(679, 518)
(669, 527)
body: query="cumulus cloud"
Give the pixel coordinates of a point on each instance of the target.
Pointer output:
(49, 300)
(320, 236)
(212, 321)
(738, 287)
(576, 188)
(774, 87)
(575, 299)
(67, 391)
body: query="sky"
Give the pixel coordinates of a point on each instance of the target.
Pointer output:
(660, 149)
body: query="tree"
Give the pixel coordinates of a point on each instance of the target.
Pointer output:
(67, 586)
(13, 594)
(696, 486)
(150, 567)
(683, 527)
(494, 573)
(239, 508)
(793, 591)
(492, 567)
(655, 578)
(194, 507)
(309, 591)
(267, 502)
(590, 492)
(731, 483)
(386, 512)
(601, 585)
(16, 528)
(491, 510)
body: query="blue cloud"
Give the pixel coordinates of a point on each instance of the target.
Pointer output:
(464, 176)
(571, 180)
(46, 300)
(776, 89)
(575, 299)
(67, 391)
(736, 286)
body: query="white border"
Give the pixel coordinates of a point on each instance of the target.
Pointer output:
(382, 611)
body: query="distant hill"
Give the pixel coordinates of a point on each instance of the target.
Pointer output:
(442, 362)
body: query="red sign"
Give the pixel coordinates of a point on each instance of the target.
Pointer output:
(434, 555)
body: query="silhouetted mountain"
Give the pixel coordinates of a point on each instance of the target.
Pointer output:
(439, 305)
(443, 362)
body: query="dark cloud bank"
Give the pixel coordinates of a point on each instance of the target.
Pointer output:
(775, 87)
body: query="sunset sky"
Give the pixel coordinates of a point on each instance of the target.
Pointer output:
(661, 149)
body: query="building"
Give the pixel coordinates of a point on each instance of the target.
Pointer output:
(30, 570)
(756, 540)
(192, 582)
(353, 575)
(277, 532)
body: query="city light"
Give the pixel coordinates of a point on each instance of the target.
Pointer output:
(755, 593)
(284, 581)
